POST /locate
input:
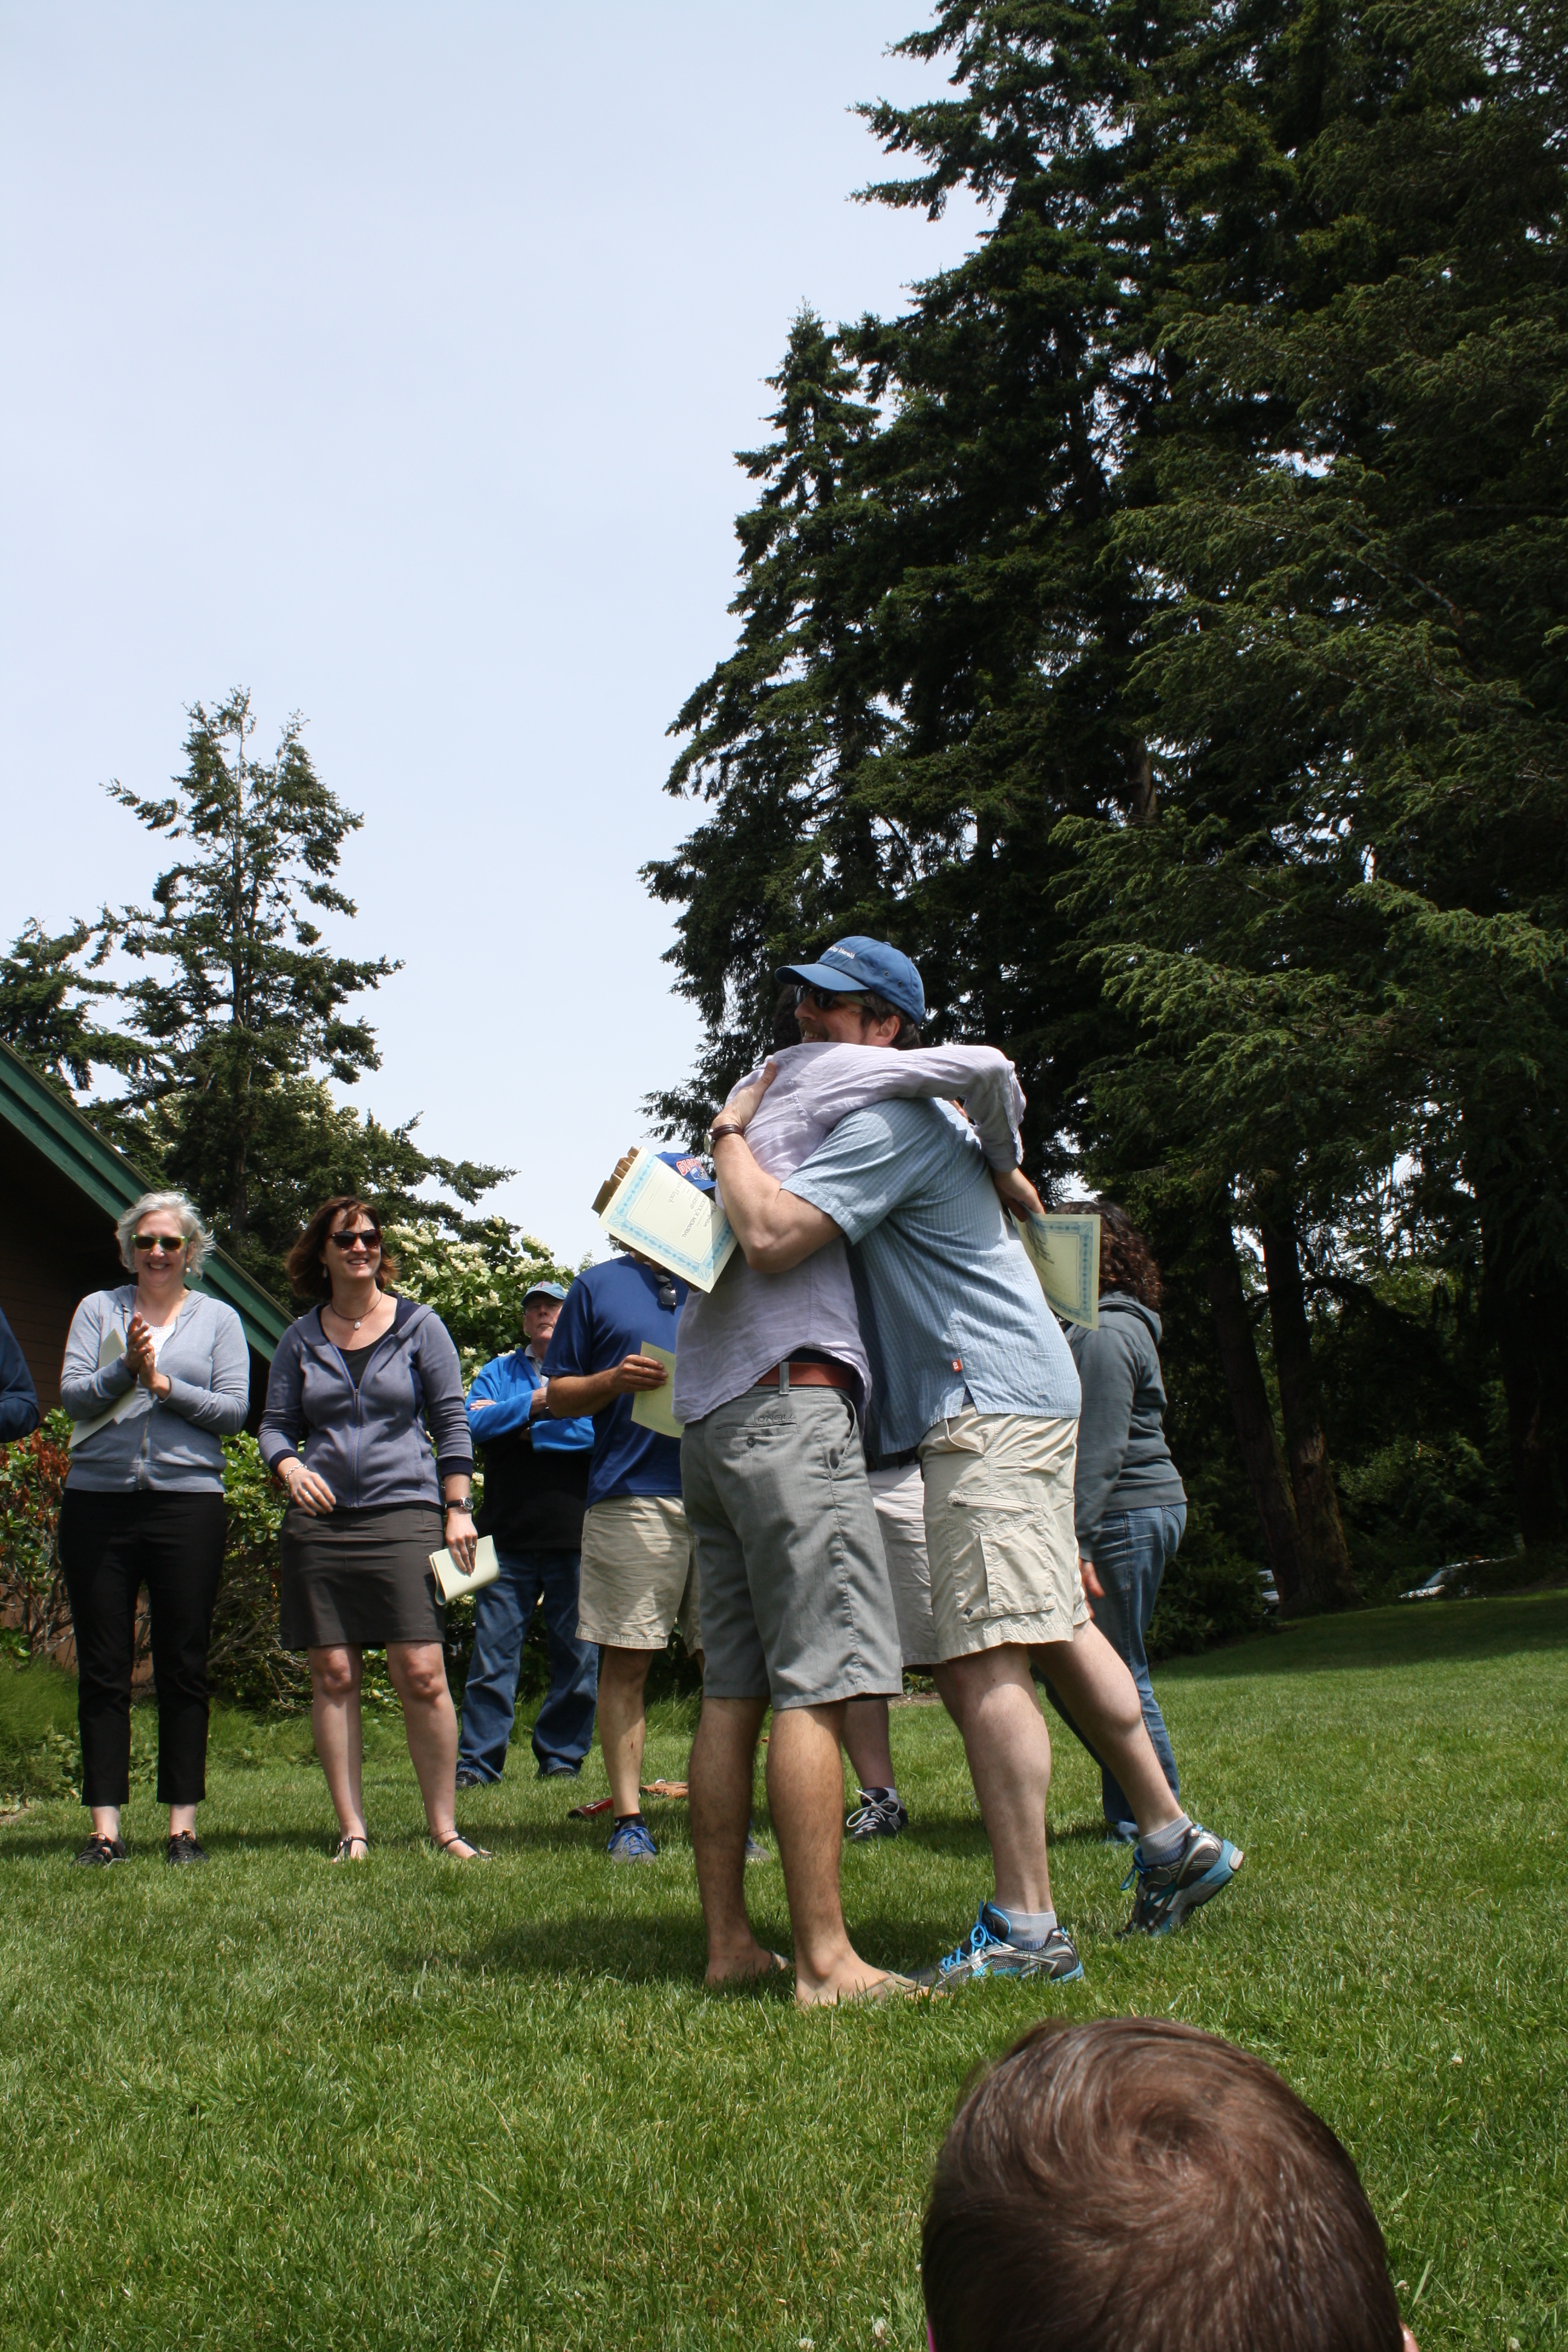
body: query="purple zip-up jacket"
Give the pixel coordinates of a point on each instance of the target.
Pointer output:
(371, 1444)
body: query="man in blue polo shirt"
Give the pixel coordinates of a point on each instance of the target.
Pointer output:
(639, 1578)
(972, 1372)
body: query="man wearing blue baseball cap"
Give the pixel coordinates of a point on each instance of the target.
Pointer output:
(536, 1489)
(974, 1379)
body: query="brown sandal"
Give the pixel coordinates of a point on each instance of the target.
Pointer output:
(478, 1852)
(343, 1850)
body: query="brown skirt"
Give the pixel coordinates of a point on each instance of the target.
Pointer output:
(360, 1579)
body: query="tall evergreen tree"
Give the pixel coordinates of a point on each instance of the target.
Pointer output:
(248, 1017)
(49, 985)
(1371, 566)
(250, 996)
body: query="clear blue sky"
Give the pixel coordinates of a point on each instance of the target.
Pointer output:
(389, 361)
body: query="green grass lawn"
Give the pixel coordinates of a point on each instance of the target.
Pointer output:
(273, 2103)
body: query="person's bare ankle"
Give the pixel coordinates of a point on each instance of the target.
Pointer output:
(740, 1962)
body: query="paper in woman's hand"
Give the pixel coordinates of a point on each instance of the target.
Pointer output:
(1065, 1254)
(453, 1585)
(134, 1399)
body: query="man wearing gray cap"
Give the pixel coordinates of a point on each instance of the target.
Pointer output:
(536, 1489)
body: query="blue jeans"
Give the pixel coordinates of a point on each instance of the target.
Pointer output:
(1132, 1553)
(502, 1612)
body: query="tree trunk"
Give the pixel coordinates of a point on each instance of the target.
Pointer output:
(1325, 1562)
(1526, 1305)
(1255, 1431)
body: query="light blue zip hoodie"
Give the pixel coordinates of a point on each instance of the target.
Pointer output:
(170, 1445)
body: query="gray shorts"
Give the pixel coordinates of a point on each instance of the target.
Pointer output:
(795, 1601)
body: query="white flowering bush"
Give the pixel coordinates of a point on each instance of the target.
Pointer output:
(477, 1284)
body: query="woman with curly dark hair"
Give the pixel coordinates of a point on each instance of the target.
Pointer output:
(1129, 1504)
(366, 1426)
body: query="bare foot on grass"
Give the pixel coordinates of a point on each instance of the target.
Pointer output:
(855, 1980)
(741, 1967)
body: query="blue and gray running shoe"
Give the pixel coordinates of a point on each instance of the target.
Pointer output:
(1167, 1891)
(987, 1951)
(630, 1841)
(879, 1814)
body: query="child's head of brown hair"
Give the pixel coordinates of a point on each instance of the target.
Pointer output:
(1133, 2185)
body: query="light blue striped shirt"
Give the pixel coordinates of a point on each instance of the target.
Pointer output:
(954, 1302)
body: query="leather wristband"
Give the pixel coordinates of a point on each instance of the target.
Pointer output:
(723, 1127)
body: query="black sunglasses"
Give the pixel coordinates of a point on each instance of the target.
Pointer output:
(826, 1001)
(365, 1233)
(667, 1298)
(159, 1241)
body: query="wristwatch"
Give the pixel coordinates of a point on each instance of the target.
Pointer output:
(463, 1503)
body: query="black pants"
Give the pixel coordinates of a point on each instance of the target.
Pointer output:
(110, 1545)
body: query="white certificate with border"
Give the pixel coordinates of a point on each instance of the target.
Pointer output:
(1065, 1254)
(657, 1213)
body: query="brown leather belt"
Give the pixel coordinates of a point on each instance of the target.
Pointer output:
(809, 1376)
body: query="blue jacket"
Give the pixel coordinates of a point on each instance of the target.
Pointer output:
(370, 1444)
(504, 1394)
(18, 1397)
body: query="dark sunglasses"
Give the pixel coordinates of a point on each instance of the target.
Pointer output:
(667, 1298)
(158, 1241)
(365, 1233)
(825, 1002)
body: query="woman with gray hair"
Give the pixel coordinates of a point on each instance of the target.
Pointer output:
(155, 1378)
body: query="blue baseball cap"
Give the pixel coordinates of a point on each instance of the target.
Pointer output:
(542, 1290)
(687, 1164)
(864, 963)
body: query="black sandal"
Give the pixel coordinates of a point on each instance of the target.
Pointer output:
(99, 1850)
(343, 1851)
(445, 1845)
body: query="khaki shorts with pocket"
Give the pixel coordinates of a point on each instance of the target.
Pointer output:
(639, 1574)
(999, 1531)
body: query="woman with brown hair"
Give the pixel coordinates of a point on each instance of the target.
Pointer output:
(1129, 1504)
(366, 1428)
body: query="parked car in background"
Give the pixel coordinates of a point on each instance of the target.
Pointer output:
(1445, 1580)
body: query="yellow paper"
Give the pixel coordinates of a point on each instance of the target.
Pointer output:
(450, 1577)
(650, 1407)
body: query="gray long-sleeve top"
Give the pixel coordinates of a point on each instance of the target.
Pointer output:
(369, 1443)
(1123, 1461)
(174, 1443)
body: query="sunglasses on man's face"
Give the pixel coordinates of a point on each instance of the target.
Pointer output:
(365, 1233)
(170, 1241)
(824, 1002)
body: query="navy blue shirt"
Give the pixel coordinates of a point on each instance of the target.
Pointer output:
(610, 1312)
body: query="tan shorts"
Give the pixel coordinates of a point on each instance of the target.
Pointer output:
(639, 1574)
(999, 1531)
(899, 1497)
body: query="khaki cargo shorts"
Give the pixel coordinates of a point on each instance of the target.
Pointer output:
(639, 1574)
(999, 1531)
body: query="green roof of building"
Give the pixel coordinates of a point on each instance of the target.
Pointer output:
(71, 1143)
